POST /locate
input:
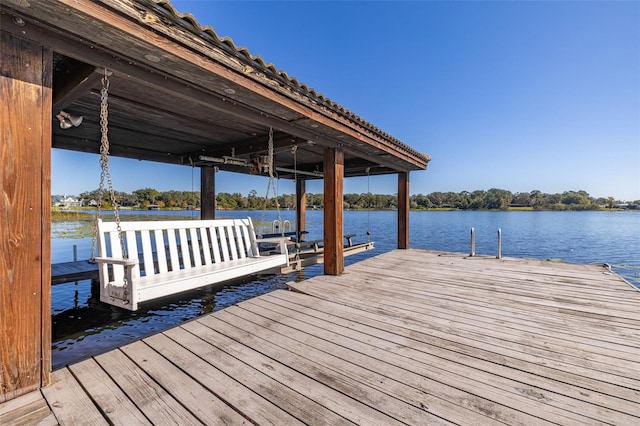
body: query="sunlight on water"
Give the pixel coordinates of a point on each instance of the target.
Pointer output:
(82, 326)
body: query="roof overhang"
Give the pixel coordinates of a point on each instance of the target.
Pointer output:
(179, 93)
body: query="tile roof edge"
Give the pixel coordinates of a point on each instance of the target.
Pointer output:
(191, 23)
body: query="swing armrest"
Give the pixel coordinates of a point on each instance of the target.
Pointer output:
(281, 241)
(117, 261)
(273, 239)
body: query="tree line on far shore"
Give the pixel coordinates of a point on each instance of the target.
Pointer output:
(492, 199)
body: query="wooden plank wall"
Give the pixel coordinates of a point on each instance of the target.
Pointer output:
(25, 198)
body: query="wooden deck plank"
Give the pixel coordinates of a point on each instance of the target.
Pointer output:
(113, 403)
(73, 271)
(263, 403)
(398, 341)
(450, 277)
(407, 337)
(415, 387)
(503, 285)
(450, 287)
(444, 304)
(482, 380)
(196, 398)
(441, 298)
(529, 341)
(154, 401)
(408, 408)
(68, 401)
(590, 279)
(280, 369)
(406, 299)
(26, 410)
(358, 319)
(524, 342)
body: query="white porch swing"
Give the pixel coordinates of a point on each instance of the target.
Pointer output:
(142, 261)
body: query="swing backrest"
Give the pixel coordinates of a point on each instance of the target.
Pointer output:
(164, 246)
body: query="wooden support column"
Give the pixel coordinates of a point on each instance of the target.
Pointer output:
(25, 215)
(301, 206)
(333, 211)
(403, 210)
(207, 192)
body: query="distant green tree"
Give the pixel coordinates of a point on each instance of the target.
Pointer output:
(227, 201)
(498, 199)
(573, 197)
(421, 201)
(535, 199)
(147, 196)
(521, 199)
(253, 201)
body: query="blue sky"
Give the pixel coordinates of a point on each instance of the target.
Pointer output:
(502, 94)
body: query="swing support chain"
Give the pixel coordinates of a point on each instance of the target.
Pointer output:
(271, 183)
(105, 172)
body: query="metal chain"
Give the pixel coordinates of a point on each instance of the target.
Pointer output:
(368, 170)
(105, 172)
(271, 183)
(294, 150)
(104, 160)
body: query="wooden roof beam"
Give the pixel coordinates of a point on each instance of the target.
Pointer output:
(72, 82)
(253, 145)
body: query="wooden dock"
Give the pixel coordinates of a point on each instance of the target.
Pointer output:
(77, 270)
(407, 337)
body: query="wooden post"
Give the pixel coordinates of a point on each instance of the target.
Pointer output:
(25, 205)
(403, 210)
(207, 192)
(333, 211)
(301, 206)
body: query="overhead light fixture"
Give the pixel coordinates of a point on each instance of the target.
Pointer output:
(67, 120)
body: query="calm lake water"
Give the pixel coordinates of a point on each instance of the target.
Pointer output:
(82, 326)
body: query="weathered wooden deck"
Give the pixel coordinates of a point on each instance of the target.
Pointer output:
(77, 270)
(407, 337)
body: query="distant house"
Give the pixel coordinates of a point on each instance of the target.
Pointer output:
(64, 201)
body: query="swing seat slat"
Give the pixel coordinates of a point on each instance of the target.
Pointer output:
(168, 257)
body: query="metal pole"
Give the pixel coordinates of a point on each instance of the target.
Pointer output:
(473, 242)
(499, 256)
(75, 252)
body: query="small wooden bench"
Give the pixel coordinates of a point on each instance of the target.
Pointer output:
(167, 257)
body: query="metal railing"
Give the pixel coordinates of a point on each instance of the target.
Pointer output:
(472, 251)
(279, 227)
